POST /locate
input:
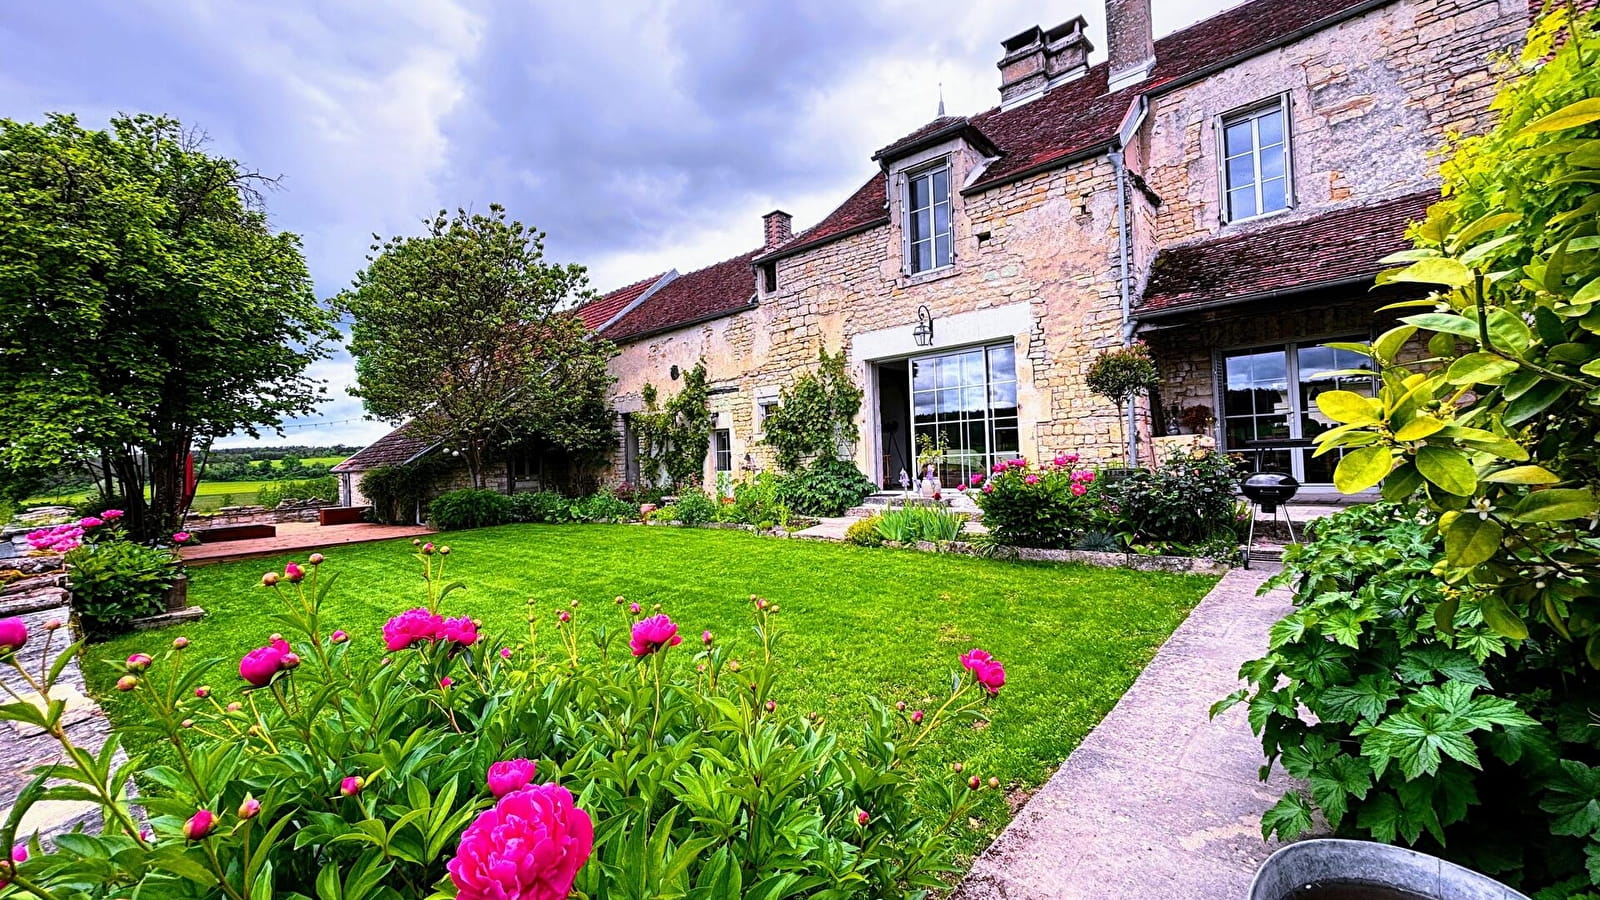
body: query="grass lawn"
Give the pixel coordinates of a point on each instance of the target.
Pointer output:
(856, 621)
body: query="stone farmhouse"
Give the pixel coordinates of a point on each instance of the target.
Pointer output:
(1223, 193)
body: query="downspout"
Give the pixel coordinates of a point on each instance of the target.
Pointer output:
(1130, 126)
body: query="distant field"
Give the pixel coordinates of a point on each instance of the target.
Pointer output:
(207, 495)
(329, 461)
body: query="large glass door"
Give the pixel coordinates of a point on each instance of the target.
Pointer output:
(1269, 404)
(966, 402)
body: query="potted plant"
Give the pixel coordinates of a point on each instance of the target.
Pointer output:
(1197, 418)
(1120, 374)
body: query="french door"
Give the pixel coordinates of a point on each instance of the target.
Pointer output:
(965, 401)
(1269, 400)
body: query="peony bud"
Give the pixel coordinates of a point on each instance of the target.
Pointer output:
(351, 785)
(270, 579)
(138, 662)
(54, 625)
(862, 818)
(565, 616)
(291, 660)
(633, 607)
(444, 551)
(900, 706)
(733, 665)
(339, 637)
(957, 766)
(178, 643)
(416, 542)
(620, 600)
(294, 573)
(127, 683)
(315, 559)
(446, 681)
(505, 652)
(772, 706)
(199, 825)
(250, 808)
(994, 782)
(235, 706)
(974, 782)
(203, 691)
(13, 634)
(705, 638)
(186, 723)
(916, 717)
(427, 549)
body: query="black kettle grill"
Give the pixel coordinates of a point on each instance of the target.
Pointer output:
(1268, 490)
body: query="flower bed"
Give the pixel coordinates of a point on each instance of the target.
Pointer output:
(490, 766)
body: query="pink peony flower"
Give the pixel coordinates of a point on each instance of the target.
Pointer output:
(974, 658)
(511, 775)
(13, 634)
(138, 662)
(293, 573)
(1031, 478)
(530, 846)
(445, 682)
(977, 479)
(90, 522)
(351, 785)
(999, 467)
(460, 630)
(199, 825)
(181, 537)
(111, 515)
(250, 808)
(259, 665)
(985, 670)
(411, 627)
(505, 652)
(652, 634)
(988, 489)
(1077, 489)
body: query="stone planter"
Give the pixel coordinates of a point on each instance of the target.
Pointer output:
(1341, 864)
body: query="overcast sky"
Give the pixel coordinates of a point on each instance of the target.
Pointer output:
(640, 136)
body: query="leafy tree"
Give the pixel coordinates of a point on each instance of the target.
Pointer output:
(674, 438)
(1122, 373)
(465, 331)
(816, 415)
(150, 308)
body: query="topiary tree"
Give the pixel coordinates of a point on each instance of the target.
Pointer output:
(1122, 373)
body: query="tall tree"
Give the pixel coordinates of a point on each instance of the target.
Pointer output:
(466, 332)
(146, 306)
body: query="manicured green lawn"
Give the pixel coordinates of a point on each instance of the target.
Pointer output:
(856, 621)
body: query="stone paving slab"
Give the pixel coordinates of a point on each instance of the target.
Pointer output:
(1158, 800)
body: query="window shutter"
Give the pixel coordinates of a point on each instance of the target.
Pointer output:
(1222, 170)
(1288, 151)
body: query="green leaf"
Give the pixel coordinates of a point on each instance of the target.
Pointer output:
(1389, 343)
(1348, 407)
(1289, 818)
(1572, 115)
(1589, 293)
(1445, 323)
(1556, 505)
(1480, 368)
(1500, 617)
(1402, 483)
(1529, 474)
(1448, 468)
(1534, 402)
(1470, 540)
(1437, 270)
(1418, 428)
(1361, 469)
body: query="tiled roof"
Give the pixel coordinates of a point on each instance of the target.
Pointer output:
(1332, 247)
(723, 288)
(1079, 116)
(393, 449)
(598, 312)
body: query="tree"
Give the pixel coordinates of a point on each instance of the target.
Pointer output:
(465, 331)
(1121, 374)
(149, 307)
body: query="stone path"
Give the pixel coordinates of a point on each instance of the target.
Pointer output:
(296, 536)
(1158, 801)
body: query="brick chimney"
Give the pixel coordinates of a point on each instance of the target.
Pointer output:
(1036, 60)
(779, 227)
(1131, 43)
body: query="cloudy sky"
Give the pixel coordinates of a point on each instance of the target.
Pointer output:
(641, 136)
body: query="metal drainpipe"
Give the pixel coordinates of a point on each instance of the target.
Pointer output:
(1117, 164)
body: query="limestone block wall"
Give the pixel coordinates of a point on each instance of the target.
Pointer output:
(1371, 100)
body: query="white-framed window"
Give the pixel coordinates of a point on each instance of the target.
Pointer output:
(764, 407)
(927, 225)
(1257, 176)
(722, 446)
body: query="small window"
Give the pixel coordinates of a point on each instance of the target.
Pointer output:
(928, 220)
(769, 277)
(527, 466)
(722, 441)
(764, 408)
(1255, 161)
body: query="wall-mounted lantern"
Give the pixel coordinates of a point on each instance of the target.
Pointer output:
(924, 330)
(674, 373)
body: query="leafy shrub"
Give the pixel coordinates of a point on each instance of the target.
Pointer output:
(815, 416)
(546, 507)
(758, 501)
(604, 506)
(695, 507)
(396, 492)
(343, 775)
(1050, 506)
(1189, 499)
(865, 532)
(919, 523)
(97, 503)
(114, 580)
(273, 493)
(469, 508)
(668, 513)
(827, 488)
(1099, 542)
(674, 437)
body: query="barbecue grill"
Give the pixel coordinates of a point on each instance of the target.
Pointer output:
(1267, 491)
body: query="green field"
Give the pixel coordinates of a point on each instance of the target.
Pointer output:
(329, 461)
(208, 495)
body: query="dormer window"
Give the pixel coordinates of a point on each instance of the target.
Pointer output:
(927, 206)
(1255, 161)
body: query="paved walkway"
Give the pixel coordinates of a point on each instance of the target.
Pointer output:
(1158, 801)
(295, 536)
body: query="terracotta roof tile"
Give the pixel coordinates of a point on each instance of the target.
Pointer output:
(598, 312)
(1079, 115)
(723, 288)
(1331, 247)
(393, 449)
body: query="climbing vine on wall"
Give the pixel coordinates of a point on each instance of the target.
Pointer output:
(816, 415)
(674, 437)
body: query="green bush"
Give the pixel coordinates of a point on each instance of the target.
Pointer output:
(604, 506)
(1188, 500)
(815, 415)
(469, 508)
(396, 492)
(547, 507)
(827, 487)
(864, 532)
(695, 507)
(114, 580)
(1051, 506)
(273, 493)
(758, 501)
(668, 513)
(432, 734)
